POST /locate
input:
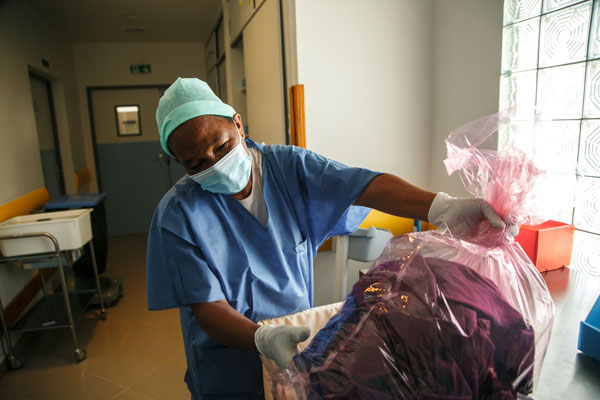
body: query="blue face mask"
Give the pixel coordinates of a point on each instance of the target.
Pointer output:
(229, 175)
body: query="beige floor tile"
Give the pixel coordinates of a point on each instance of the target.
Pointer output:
(23, 384)
(138, 313)
(130, 369)
(134, 310)
(92, 388)
(163, 347)
(69, 374)
(167, 320)
(131, 395)
(100, 360)
(121, 340)
(142, 362)
(134, 278)
(134, 338)
(166, 382)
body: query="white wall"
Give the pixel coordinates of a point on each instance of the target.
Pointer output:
(108, 65)
(467, 46)
(387, 81)
(367, 69)
(25, 38)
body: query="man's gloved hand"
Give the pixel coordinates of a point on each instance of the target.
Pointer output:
(467, 213)
(279, 343)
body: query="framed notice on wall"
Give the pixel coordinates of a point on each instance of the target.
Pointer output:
(128, 120)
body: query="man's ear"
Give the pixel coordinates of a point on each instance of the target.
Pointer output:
(237, 120)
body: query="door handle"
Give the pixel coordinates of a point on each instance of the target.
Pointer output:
(163, 160)
(160, 158)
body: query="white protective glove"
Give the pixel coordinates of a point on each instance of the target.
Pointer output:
(280, 343)
(463, 215)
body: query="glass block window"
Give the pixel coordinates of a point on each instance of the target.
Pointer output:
(519, 42)
(564, 35)
(551, 61)
(516, 10)
(560, 91)
(586, 253)
(589, 148)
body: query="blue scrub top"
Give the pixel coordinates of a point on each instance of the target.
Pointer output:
(204, 247)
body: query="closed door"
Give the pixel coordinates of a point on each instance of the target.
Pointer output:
(133, 170)
(45, 123)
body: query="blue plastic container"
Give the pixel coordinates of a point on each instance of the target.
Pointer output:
(75, 201)
(589, 333)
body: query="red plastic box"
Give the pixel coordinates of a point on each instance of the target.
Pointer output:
(548, 245)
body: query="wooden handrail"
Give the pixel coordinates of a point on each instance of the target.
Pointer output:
(297, 118)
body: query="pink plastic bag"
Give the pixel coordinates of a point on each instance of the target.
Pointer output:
(440, 315)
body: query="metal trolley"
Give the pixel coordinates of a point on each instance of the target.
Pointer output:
(44, 315)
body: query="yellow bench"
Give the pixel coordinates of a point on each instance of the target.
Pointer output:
(378, 219)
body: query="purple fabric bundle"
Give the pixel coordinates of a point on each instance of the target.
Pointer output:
(422, 328)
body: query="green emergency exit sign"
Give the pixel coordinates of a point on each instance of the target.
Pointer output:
(140, 69)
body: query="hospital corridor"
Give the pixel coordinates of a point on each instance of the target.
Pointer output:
(134, 354)
(299, 199)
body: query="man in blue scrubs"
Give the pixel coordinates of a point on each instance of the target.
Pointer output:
(232, 242)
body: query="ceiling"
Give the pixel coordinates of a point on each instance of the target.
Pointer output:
(107, 21)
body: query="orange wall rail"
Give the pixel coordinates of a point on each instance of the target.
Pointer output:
(297, 121)
(83, 177)
(25, 204)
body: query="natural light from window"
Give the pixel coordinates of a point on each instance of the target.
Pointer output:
(551, 62)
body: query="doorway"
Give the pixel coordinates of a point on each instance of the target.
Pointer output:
(45, 122)
(131, 166)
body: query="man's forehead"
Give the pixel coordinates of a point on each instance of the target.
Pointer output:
(208, 121)
(205, 128)
(207, 125)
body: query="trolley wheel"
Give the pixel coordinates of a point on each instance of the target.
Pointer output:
(80, 354)
(14, 363)
(103, 315)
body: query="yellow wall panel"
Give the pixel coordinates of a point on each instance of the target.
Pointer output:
(24, 205)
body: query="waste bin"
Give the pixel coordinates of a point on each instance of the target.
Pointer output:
(83, 267)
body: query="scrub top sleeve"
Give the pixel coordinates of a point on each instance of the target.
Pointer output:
(331, 189)
(177, 274)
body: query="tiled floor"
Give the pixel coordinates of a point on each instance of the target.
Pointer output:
(134, 354)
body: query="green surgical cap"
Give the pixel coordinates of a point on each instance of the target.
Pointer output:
(185, 99)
